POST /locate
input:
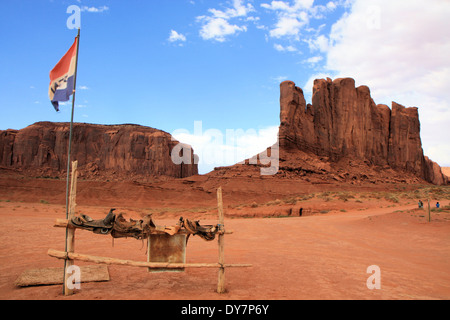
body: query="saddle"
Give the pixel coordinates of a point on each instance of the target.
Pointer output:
(117, 226)
(102, 226)
(206, 232)
(139, 229)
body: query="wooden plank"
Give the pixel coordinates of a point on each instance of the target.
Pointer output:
(221, 277)
(70, 232)
(113, 261)
(53, 276)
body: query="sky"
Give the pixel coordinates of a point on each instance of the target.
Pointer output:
(208, 72)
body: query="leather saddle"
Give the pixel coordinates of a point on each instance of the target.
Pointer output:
(102, 226)
(139, 229)
(206, 232)
(119, 227)
(116, 225)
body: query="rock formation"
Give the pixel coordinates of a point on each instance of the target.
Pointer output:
(103, 151)
(344, 123)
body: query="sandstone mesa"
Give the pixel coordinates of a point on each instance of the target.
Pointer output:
(343, 135)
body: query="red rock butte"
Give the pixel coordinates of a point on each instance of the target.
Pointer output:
(102, 151)
(343, 136)
(343, 125)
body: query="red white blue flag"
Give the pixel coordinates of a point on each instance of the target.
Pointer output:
(62, 77)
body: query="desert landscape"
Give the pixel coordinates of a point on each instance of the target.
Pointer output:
(322, 255)
(344, 198)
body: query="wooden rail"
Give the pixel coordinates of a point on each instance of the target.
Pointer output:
(113, 261)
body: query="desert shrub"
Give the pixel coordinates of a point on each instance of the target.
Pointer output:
(273, 203)
(290, 201)
(324, 194)
(391, 198)
(345, 196)
(308, 196)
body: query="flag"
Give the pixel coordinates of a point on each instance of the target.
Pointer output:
(62, 77)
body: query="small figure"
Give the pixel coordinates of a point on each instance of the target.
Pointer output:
(437, 205)
(420, 204)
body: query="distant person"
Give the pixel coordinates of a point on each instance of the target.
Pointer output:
(420, 204)
(437, 205)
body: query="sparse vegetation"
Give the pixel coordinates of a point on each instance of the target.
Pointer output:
(292, 201)
(273, 203)
(391, 197)
(307, 197)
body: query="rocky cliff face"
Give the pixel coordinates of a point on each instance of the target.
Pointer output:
(104, 151)
(344, 122)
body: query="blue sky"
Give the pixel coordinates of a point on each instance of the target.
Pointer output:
(167, 64)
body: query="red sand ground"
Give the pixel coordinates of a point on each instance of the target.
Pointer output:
(322, 256)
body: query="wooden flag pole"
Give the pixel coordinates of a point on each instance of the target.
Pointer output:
(70, 232)
(69, 151)
(221, 280)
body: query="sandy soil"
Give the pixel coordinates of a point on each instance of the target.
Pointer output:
(320, 256)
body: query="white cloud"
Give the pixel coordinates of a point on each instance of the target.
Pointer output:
(314, 60)
(400, 49)
(295, 17)
(217, 25)
(287, 26)
(282, 48)
(279, 79)
(218, 29)
(83, 88)
(94, 9)
(331, 5)
(285, 7)
(320, 43)
(175, 36)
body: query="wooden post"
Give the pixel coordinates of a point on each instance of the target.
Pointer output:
(221, 280)
(429, 211)
(70, 232)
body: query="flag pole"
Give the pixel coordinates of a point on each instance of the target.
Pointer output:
(71, 126)
(70, 148)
